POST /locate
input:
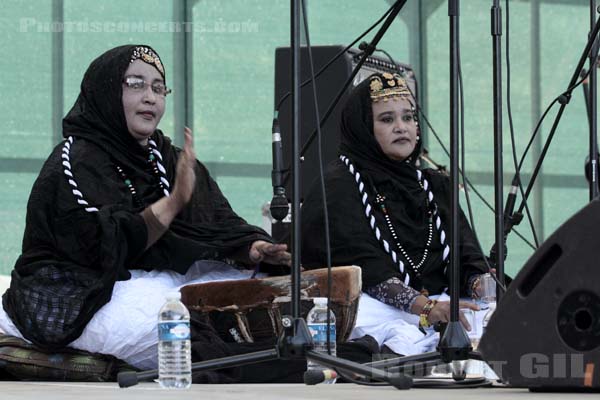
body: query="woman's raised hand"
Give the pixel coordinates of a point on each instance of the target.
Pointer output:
(167, 208)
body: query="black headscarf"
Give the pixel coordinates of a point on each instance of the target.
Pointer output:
(397, 180)
(98, 114)
(358, 138)
(98, 117)
(352, 237)
(72, 255)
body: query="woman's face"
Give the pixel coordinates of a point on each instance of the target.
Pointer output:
(142, 106)
(395, 128)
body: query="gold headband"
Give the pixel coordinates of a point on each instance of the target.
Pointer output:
(391, 86)
(148, 56)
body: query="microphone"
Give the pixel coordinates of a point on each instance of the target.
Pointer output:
(279, 204)
(509, 219)
(314, 376)
(510, 205)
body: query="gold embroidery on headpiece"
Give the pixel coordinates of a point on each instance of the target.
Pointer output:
(394, 86)
(376, 84)
(149, 57)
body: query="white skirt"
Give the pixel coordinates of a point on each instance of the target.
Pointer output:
(398, 329)
(126, 327)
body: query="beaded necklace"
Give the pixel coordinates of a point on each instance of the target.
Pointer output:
(377, 232)
(155, 169)
(380, 200)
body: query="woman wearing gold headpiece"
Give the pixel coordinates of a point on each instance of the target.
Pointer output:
(118, 217)
(389, 217)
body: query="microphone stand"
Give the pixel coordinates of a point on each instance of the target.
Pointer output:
(496, 14)
(295, 343)
(591, 51)
(454, 344)
(586, 96)
(592, 109)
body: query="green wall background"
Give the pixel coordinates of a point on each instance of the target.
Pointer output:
(233, 83)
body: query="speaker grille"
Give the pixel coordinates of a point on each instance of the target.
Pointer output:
(578, 320)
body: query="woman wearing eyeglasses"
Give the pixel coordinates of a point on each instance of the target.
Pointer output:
(117, 217)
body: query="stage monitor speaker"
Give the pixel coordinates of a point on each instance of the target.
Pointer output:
(328, 85)
(545, 333)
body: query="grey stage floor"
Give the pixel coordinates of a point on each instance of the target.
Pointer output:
(101, 391)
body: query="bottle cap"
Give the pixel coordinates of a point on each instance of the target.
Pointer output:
(173, 295)
(321, 301)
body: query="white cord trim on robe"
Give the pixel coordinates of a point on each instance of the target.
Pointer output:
(371, 218)
(66, 162)
(161, 168)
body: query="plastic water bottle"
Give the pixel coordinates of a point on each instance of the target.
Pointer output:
(317, 325)
(174, 348)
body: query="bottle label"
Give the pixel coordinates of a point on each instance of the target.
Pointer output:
(173, 330)
(319, 332)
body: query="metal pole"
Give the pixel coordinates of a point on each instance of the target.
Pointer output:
(536, 113)
(453, 13)
(295, 73)
(413, 17)
(454, 343)
(57, 72)
(496, 26)
(182, 71)
(593, 106)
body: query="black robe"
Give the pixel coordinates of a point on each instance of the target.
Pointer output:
(353, 241)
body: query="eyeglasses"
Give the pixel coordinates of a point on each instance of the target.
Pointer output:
(139, 85)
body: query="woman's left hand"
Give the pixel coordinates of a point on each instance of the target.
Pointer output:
(441, 312)
(276, 254)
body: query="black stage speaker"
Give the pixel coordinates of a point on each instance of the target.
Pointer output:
(545, 334)
(328, 85)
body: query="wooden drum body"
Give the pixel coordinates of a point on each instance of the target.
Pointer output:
(250, 310)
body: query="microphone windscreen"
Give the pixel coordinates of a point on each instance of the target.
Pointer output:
(127, 379)
(279, 208)
(314, 376)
